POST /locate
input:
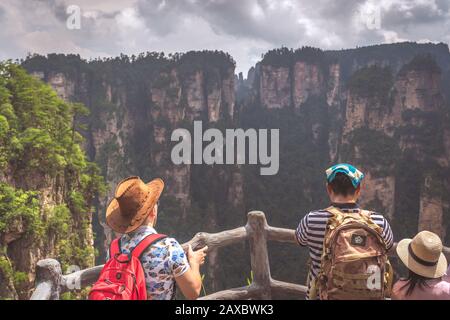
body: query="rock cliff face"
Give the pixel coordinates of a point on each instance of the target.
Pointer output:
(284, 86)
(383, 108)
(24, 250)
(386, 113)
(420, 102)
(179, 101)
(308, 80)
(130, 125)
(275, 87)
(64, 87)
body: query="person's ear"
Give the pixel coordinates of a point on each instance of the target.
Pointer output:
(329, 189)
(358, 191)
(153, 212)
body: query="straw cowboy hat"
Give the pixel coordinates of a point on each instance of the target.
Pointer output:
(423, 255)
(132, 203)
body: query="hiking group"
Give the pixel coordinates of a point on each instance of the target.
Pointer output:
(348, 249)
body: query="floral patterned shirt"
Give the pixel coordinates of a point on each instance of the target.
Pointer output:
(162, 262)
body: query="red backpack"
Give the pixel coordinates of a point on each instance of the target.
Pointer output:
(122, 277)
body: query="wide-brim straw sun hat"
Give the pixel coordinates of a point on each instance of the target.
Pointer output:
(423, 255)
(132, 203)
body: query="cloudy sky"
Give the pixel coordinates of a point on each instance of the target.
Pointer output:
(244, 28)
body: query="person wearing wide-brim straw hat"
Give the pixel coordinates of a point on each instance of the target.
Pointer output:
(133, 201)
(427, 267)
(133, 213)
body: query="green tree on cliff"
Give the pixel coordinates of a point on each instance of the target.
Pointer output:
(40, 149)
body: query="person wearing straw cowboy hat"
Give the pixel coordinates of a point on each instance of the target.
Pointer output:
(427, 267)
(133, 212)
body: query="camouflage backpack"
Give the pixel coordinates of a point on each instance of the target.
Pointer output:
(354, 263)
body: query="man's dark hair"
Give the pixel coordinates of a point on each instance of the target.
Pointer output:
(342, 185)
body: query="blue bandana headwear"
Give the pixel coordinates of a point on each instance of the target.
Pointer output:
(350, 171)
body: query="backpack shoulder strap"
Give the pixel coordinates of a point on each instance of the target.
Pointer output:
(333, 210)
(366, 213)
(337, 217)
(145, 243)
(338, 214)
(368, 217)
(114, 248)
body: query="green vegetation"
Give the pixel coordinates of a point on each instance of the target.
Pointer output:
(394, 55)
(203, 286)
(373, 149)
(12, 278)
(41, 136)
(424, 129)
(372, 82)
(76, 295)
(421, 63)
(250, 279)
(206, 61)
(285, 57)
(41, 148)
(19, 207)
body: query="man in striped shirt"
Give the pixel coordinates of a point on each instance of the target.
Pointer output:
(343, 187)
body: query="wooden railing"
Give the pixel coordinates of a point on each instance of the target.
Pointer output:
(50, 282)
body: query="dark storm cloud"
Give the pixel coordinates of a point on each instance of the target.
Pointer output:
(260, 19)
(57, 7)
(244, 28)
(337, 10)
(405, 15)
(443, 4)
(256, 19)
(161, 18)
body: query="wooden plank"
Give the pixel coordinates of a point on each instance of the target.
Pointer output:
(281, 235)
(287, 289)
(216, 240)
(80, 279)
(243, 293)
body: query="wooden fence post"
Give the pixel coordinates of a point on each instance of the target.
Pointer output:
(256, 229)
(48, 280)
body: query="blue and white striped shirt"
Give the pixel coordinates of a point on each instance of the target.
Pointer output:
(311, 232)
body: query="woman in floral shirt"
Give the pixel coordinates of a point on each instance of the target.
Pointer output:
(133, 213)
(163, 262)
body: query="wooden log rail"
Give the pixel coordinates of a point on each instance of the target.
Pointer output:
(50, 282)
